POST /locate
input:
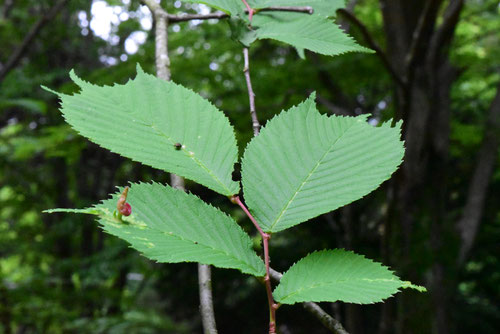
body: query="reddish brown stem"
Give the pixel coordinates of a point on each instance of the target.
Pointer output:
(273, 306)
(251, 11)
(236, 199)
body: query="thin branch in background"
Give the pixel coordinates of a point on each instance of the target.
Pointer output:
(7, 7)
(251, 94)
(206, 302)
(246, 69)
(332, 107)
(339, 103)
(189, 17)
(163, 72)
(445, 33)
(344, 24)
(161, 39)
(372, 44)
(162, 59)
(327, 320)
(220, 15)
(306, 9)
(16, 56)
(417, 37)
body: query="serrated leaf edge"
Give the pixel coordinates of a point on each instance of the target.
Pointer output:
(81, 83)
(404, 284)
(103, 213)
(275, 118)
(170, 234)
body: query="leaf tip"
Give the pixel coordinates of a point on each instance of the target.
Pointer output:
(364, 49)
(50, 90)
(72, 74)
(410, 285)
(76, 79)
(91, 211)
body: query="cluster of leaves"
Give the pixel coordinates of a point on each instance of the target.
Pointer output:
(302, 164)
(315, 32)
(39, 252)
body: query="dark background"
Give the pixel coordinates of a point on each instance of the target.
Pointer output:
(436, 222)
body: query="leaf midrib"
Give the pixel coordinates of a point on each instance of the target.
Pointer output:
(217, 250)
(340, 281)
(285, 208)
(174, 235)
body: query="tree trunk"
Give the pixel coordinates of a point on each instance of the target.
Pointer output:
(471, 217)
(418, 50)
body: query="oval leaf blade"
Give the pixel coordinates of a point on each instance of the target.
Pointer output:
(312, 32)
(304, 164)
(169, 225)
(333, 275)
(160, 124)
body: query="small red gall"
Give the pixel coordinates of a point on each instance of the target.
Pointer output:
(122, 206)
(126, 210)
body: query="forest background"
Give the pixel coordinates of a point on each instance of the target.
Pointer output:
(436, 222)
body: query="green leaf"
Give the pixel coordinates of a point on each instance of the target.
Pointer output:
(144, 120)
(313, 32)
(333, 275)
(169, 225)
(231, 7)
(303, 164)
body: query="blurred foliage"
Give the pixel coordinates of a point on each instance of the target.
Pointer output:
(61, 274)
